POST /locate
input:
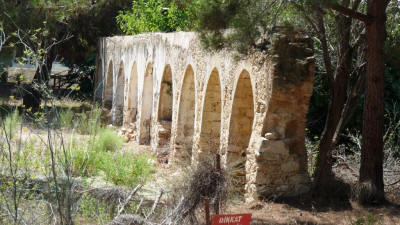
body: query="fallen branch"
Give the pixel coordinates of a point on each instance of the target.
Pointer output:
(155, 203)
(140, 204)
(128, 199)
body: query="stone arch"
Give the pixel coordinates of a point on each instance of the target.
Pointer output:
(132, 100)
(165, 103)
(240, 128)
(147, 106)
(164, 115)
(211, 120)
(186, 115)
(119, 96)
(108, 87)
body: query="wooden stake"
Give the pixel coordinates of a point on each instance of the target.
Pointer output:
(207, 209)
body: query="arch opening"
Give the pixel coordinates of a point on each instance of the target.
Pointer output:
(147, 106)
(119, 97)
(132, 100)
(240, 129)
(185, 128)
(108, 87)
(164, 115)
(165, 103)
(211, 121)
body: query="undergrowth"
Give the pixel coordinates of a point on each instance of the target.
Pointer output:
(50, 147)
(107, 141)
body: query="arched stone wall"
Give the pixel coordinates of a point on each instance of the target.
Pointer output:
(249, 110)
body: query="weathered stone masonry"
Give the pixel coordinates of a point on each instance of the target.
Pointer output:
(199, 102)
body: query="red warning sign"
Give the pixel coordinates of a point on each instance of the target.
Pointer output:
(233, 219)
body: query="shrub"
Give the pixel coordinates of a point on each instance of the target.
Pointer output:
(93, 209)
(368, 220)
(89, 122)
(66, 118)
(107, 141)
(83, 162)
(11, 122)
(126, 169)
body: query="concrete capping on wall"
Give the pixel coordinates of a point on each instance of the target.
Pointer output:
(250, 110)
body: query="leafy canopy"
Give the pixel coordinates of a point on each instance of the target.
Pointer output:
(157, 15)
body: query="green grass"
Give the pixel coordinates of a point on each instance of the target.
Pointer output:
(104, 156)
(367, 220)
(66, 118)
(11, 121)
(126, 169)
(92, 209)
(85, 122)
(89, 122)
(107, 141)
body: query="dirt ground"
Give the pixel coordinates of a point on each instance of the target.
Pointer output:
(285, 213)
(305, 210)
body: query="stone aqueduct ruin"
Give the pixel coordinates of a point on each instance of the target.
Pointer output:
(199, 102)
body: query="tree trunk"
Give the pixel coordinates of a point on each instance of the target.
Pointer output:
(338, 94)
(31, 93)
(353, 97)
(371, 172)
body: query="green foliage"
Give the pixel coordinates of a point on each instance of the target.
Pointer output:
(156, 15)
(108, 141)
(249, 22)
(312, 152)
(104, 157)
(66, 118)
(89, 122)
(41, 24)
(368, 220)
(82, 74)
(83, 161)
(126, 169)
(93, 209)
(3, 74)
(392, 130)
(11, 122)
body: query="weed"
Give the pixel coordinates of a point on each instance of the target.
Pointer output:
(108, 141)
(126, 169)
(83, 162)
(312, 152)
(93, 209)
(11, 122)
(89, 122)
(369, 220)
(66, 118)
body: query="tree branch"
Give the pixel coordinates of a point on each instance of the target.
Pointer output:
(351, 13)
(325, 51)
